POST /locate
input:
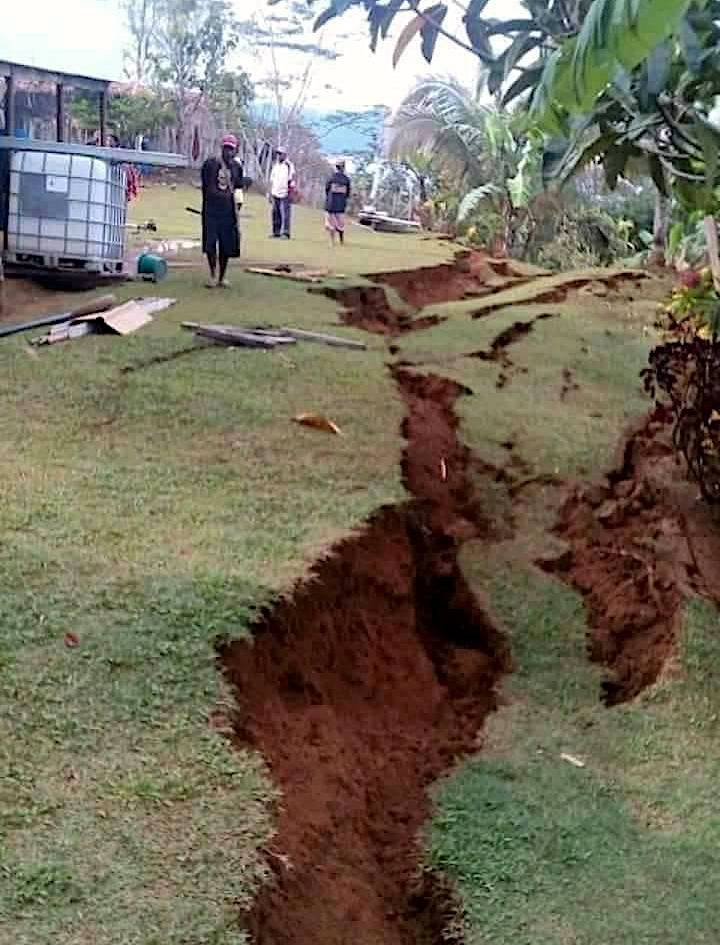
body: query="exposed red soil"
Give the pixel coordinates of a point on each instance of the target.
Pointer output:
(24, 300)
(363, 687)
(367, 307)
(471, 275)
(630, 555)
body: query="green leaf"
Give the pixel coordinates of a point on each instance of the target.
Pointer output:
(675, 237)
(430, 30)
(658, 68)
(477, 31)
(690, 45)
(562, 158)
(618, 32)
(472, 200)
(554, 87)
(709, 142)
(517, 49)
(391, 10)
(324, 17)
(528, 79)
(503, 27)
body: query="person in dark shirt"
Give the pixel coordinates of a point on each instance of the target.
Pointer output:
(220, 230)
(337, 194)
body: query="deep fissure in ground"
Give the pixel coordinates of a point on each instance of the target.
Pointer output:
(374, 677)
(639, 543)
(360, 690)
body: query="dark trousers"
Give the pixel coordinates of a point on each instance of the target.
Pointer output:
(281, 216)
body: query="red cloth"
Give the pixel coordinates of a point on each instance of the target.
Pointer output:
(132, 182)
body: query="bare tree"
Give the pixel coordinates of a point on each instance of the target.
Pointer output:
(192, 40)
(141, 18)
(273, 39)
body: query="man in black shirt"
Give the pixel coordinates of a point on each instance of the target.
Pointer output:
(337, 194)
(220, 231)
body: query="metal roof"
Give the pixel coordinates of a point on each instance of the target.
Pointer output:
(34, 74)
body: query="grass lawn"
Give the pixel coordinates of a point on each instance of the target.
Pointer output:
(365, 250)
(624, 849)
(146, 513)
(151, 507)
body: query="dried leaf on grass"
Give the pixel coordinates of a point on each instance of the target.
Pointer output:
(318, 422)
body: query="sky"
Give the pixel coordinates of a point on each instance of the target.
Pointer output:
(88, 36)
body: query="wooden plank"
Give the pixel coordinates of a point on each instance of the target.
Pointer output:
(232, 335)
(292, 276)
(323, 339)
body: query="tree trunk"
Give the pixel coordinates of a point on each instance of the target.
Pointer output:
(711, 238)
(661, 219)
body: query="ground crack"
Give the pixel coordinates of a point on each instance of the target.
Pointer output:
(628, 554)
(362, 688)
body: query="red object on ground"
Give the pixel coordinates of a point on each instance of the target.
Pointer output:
(690, 279)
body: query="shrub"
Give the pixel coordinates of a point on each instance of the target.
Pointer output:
(684, 376)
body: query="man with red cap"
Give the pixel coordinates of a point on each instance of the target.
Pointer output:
(221, 177)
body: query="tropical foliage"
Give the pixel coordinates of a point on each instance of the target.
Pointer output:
(495, 165)
(684, 377)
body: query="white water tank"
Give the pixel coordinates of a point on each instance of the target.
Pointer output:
(66, 211)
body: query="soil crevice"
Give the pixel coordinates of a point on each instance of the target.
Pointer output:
(629, 556)
(362, 688)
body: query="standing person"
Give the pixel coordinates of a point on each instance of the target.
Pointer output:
(337, 194)
(220, 231)
(282, 184)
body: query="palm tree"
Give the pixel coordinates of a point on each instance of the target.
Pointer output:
(477, 145)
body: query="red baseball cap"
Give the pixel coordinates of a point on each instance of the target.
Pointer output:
(230, 141)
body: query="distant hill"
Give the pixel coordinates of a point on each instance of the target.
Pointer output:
(347, 139)
(349, 133)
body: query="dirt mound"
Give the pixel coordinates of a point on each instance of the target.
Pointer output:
(470, 275)
(367, 307)
(360, 690)
(629, 556)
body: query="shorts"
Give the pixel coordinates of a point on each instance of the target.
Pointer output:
(221, 231)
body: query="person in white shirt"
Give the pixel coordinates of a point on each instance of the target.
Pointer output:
(282, 185)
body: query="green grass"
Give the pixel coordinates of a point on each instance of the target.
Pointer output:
(568, 436)
(624, 849)
(150, 513)
(365, 251)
